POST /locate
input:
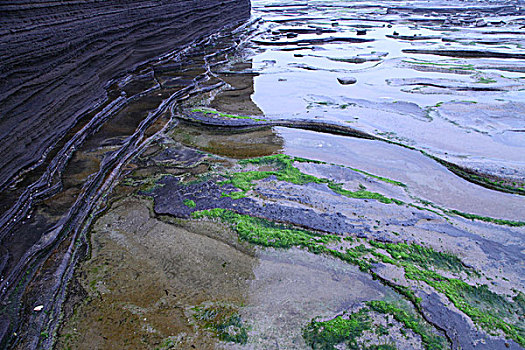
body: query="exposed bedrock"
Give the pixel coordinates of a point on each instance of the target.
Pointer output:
(58, 61)
(58, 56)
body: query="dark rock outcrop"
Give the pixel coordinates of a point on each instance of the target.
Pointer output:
(58, 56)
(59, 62)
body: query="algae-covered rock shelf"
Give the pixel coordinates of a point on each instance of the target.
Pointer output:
(423, 288)
(326, 175)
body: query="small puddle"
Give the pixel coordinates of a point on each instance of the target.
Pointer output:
(226, 143)
(423, 176)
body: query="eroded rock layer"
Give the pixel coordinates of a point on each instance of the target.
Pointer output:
(57, 57)
(68, 68)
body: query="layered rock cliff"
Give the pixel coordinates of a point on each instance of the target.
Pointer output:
(59, 64)
(57, 57)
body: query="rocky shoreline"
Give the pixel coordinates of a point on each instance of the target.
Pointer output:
(328, 175)
(68, 69)
(59, 57)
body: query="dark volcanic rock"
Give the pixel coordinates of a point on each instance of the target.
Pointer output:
(59, 61)
(347, 80)
(58, 56)
(217, 121)
(466, 53)
(331, 39)
(458, 331)
(170, 195)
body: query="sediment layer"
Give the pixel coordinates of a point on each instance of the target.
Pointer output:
(58, 57)
(64, 65)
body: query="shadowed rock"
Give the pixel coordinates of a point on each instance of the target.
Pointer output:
(347, 80)
(467, 53)
(331, 39)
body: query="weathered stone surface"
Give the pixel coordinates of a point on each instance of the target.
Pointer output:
(347, 80)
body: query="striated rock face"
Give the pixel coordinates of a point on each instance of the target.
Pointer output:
(60, 61)
(56, 57)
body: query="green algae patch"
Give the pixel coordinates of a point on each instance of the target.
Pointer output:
(223, 320)
(362, 194)
(349, 328)
(284, 170)
(487, 219)
(491, 311)
(224, 115)
(172, 342)
(306, 160)
(449, 66)
(425, 257)
(380, 178)
(354, 256)
(430, 340)
(483, 80)
(519, 301)
(268, 234)
(487, 309)
(189, 203)
(328, 334)
(234, 195)
(284, 160)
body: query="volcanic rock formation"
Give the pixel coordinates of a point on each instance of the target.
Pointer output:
(59, 62)
(57, 57)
